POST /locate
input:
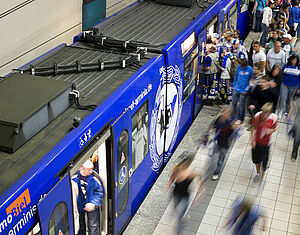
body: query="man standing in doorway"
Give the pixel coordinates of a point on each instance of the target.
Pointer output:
(89, 194)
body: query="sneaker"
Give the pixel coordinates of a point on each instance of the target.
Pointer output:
(215, 177)
(256, 178)
(285, 113)
(293, 159)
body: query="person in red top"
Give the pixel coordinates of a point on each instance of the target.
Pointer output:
(264, 123)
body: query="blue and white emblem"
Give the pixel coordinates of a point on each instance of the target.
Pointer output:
(165, 116)
(122, 175)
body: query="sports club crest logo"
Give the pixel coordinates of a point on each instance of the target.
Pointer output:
(165, 116)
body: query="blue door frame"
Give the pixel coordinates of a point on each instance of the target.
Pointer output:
(56, 210)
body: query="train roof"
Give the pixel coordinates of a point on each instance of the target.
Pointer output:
(146, 21)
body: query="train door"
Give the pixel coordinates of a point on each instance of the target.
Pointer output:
(58, 209)
(200, 77)
(123, 171)
(55, 210)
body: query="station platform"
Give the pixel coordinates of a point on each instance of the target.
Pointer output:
(278, 196)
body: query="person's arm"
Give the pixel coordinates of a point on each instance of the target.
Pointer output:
(254, 8)
(268, 66)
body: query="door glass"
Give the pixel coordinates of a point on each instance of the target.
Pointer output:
(233, 17)
(140, 129)
(123, 165)
(58, 223)
(221, 28)
(190, 73)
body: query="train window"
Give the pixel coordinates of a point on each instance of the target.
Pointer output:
(123, 165)
(140, 130)
(221, 28)
(59, 220)
(226, 21)
(190, 73)
(233, 17)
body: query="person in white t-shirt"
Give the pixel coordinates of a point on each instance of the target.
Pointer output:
(276, 56)
(266, 21)
(259, 57)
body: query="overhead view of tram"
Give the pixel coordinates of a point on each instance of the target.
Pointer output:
(123, 94)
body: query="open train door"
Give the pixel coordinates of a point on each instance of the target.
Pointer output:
(55, 210)
(200, 78)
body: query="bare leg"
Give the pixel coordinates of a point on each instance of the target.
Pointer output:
(257, 165)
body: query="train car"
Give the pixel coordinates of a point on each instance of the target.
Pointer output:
(136, 87)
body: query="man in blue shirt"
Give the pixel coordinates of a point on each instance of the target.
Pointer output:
(242, 79)
(88, 193)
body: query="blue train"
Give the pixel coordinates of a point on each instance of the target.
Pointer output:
(140, 71)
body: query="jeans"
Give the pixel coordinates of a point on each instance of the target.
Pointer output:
(181, 204)
(286, 95)
(238, 111)
(258, 20)
(296, 142)
(222, 153)
(264, 35)
(93, 222)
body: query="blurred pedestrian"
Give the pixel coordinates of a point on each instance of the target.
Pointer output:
(244, 216)
(258, 9)
(295, 113)
(224, 127)
(182, 176)
(263, 125)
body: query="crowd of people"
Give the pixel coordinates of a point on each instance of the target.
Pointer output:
(265, 82)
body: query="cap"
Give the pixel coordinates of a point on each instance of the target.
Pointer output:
(229, 33)
(242, 56)
(216, 35)
(287, 36)
(235, 41)
(271, 2)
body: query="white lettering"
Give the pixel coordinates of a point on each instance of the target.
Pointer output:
(9, 218)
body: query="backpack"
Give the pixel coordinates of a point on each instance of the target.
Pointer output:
(233, 67)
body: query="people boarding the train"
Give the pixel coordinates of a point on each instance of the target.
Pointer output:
(238, 49)
(87, 195)
(266, 21)
(227, 76)
(242, 79)
(289, 84)
(259, 57)
(276, 56)
(263, 125)
(211, 69)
